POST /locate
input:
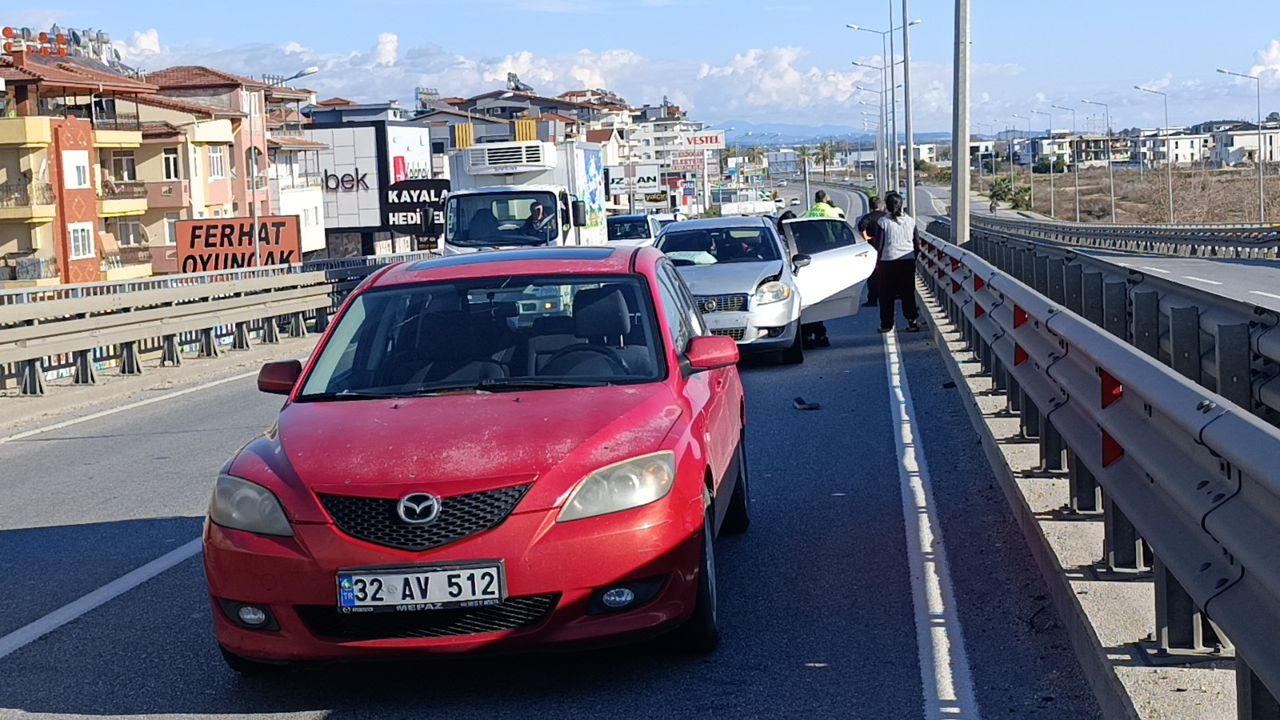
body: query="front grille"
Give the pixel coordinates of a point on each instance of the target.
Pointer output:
(721, 303)
(375, 520)
(735, 333)
(511, 614)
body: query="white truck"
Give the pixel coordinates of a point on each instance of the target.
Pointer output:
(525, 194)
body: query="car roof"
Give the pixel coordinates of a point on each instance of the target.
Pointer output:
(586, 260)
(710, 223)
(633, 216)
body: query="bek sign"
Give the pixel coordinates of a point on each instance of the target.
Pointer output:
(711, 140)
(230, 243)
(415, 207)
(356, 180)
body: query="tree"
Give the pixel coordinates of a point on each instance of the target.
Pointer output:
(805, 153)
(826, 154)
(1274, 117)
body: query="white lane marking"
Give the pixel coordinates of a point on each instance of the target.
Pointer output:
(1202, 280)
(1154, 270)
(944, 666)
(30, 633)
(123, 408)
(1265, 294)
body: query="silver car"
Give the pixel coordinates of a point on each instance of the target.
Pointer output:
(757, 287)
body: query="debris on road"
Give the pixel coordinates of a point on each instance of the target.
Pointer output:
(802, 405)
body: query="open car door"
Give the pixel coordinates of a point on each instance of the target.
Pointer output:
(839, 264)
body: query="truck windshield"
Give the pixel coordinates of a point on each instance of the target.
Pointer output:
(502, 218)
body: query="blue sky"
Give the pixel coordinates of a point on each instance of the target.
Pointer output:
(749, 60)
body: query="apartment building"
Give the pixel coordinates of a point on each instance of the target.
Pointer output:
(1239, 145)
(1153, 148)
(66, 182)
(293, 174)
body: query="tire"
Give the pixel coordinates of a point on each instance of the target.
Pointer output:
(738, 517)
(794, 355)
(250, 668)
(700, 635)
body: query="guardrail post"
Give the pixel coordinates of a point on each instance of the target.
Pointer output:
(297, 325)
(322, 319)
(208, 343)
(1125, 551)
(1073, 288)
(1254, 701)
(1013, 399)
(1233, 364)
(1181, 627)
(1040, 273)
(241, 340)
(172, 352)
(1086, 493)
(84, 368)
(1092, 304)
(31, 377)
(1052, 448)
(1184, 341)
(1030, 418)
(1146, 322)
(270, 331)
(130, 363)
(999, 375)
(1055, 268)
(1115, 303)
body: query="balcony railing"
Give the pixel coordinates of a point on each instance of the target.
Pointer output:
(104, 121)
(127, 255)
(26, 267)
(298, 182)
(112, 190)
(16, 195)
(118, 121)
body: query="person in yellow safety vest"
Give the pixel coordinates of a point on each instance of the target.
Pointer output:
(824, 207)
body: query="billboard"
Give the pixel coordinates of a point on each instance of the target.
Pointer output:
(643, 179)
(349, 176)
(708, 140)
(409, 153)
(229, 243)
(416, 207)
(689, 161)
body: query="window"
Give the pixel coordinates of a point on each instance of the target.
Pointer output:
(195, 162)
(82, 245)
(217, 162)
(171, 228)
(172, 166)
(128, 232)
(124, 167)
(75, 169)
(715, 245)
(249, 102)
(678, 330)
(217, 212)
(817, 236)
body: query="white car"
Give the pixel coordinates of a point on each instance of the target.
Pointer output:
(758, 288)
(795, 202)
(633, 229)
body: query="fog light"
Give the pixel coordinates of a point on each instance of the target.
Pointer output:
(618, 597)
(250, 615)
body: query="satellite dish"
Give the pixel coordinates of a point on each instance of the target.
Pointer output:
(115, 54)
(75, 37)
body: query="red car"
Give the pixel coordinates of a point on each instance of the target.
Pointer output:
(494, 451)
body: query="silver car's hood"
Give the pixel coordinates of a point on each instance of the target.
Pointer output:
(729, 278)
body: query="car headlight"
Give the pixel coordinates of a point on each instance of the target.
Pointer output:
(622, 486)
(772, 292)
(242, 505)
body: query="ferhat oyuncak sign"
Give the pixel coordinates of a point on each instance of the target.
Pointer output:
(231, 243)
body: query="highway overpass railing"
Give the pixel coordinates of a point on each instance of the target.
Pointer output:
(79, 329)
(1212, 241)
(1187, 480)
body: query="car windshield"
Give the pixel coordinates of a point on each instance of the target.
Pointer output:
(628, 228)
(712, 246)
(508, 218)
(490, 335)
(817, 236)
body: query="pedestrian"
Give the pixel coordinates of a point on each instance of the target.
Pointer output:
(898, 238)
(823, 207)
(866, 226)
(994, 206)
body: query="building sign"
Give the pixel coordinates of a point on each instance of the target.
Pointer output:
(231, 243)
(416, 207)
(658, 197)
(643, 179)
(688, 162)
(711, 140)
(349, 166)
(410, 151)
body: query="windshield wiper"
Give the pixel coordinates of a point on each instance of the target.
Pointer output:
(490, 385)
(342, 395)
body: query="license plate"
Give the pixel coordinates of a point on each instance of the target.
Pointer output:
(420, 588)
(724, 321)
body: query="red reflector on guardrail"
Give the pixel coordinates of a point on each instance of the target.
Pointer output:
(978, 283)
(955, 287)
(1112, 390)
(1019, 317)
(955, 265)
(1019, 355)
(978, 310)
(1111, 450)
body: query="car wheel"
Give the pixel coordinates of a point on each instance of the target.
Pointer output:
(794, 355)
(738, 518)
(701, 633)
(245, 666)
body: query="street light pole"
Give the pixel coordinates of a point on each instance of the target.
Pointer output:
(892, 62)
(1053, 160)
(1168, 144)
(906, 110)
(1111, 174)
(1262, 198)
(1075, 159)
(1031, 162)
(889, 83)
(960, 129)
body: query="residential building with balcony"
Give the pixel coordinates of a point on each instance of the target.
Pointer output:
(1153, 148)
(66, 180)
(294, 165)
(1239, 146)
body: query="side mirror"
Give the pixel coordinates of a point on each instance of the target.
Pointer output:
(579, 213)
(278, 378)
(708, 352)
(800, 260)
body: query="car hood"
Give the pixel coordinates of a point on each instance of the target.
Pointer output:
(741, 277)
(457, 444)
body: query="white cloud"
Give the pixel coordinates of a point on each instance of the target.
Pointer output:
(1268, 63)
(143, 44)
(388, 49)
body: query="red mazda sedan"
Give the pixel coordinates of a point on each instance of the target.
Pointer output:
(494, 451)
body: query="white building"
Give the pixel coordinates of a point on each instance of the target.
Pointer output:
(1237, 147)
(1186, 148)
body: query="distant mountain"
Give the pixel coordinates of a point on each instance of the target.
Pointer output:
(782, 134)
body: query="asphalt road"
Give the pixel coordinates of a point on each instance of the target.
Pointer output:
(816, 600)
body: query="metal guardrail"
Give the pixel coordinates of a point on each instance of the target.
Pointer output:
(1229, 347)
(1214, 241)
(1163, 459)
(120, 321)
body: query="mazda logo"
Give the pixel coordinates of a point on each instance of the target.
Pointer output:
(418, 508)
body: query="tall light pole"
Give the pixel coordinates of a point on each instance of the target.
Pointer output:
(892, 62)
(888, 81)
(906, 108)
(1053, 160)
(1009, 148)
(966, 151)
(879, 148)
(1110, 168)
(253, 150)
(1168, 143)
(960, 128)
(1031, 162)
(1075, 160)
(1262, 198)
(882, 140)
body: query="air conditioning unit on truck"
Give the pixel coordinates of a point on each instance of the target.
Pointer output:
(525, 194)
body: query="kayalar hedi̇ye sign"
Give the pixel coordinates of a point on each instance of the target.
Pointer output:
(229, 243)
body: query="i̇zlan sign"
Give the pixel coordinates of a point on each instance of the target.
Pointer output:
(228, 243)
